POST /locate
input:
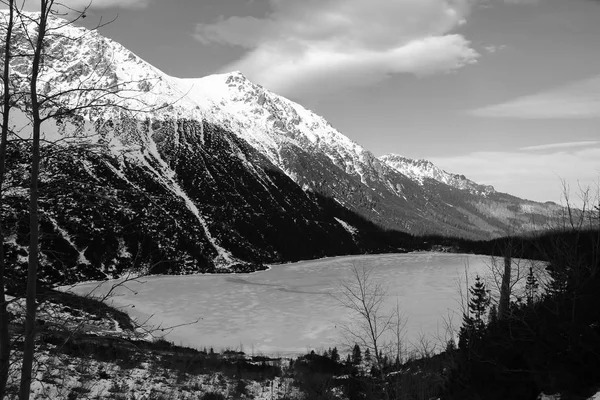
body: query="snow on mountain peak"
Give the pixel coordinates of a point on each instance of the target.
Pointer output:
(418, 170)
(269, 121)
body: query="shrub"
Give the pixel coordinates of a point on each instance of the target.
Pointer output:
(213, 396)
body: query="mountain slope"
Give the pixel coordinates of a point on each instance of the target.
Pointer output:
(395, 192)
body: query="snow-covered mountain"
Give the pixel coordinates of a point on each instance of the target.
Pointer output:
(269, 122)
(419, 170)
(216, 173)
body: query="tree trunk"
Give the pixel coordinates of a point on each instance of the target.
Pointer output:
(504, 303)
(29, 347)
(4, 335)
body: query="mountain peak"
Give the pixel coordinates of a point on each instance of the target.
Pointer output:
(420, 169)
(236, 73)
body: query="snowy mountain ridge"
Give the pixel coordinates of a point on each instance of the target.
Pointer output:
(265, 120)
(420, 169)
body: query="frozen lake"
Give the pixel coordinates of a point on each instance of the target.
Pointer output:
(290, 308)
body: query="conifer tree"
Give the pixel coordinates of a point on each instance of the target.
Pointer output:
(493, 315)
(356, 355)
(450, 346)
(474, 319)
(479, 302)
(531, 287)
(335, 356)
(557, 286)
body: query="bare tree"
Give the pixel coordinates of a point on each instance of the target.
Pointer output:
(373, 325)
(505, 285)
(28, 348)
(507, 275)
(508, 272)
(6, 108)
(43, 99)
(564, 251)
(399, 332)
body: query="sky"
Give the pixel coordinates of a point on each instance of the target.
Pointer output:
(506, 92)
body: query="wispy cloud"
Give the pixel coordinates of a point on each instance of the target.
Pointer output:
(492, 48)
(325, 45)
(564, 145)
(531, 175)
(577, 100)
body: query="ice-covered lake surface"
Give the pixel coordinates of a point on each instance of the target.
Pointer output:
(290, 308)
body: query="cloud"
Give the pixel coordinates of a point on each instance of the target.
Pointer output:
(553, 146)
(325, 45)
(493, 48)
(531, 175)
(577, 100)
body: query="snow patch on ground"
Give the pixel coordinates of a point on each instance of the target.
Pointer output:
(352, 230)
(65, 235)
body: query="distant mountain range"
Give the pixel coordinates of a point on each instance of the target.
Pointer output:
(218, 174)
(419, 170)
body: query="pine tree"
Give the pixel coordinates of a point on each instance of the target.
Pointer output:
(474, 319)
(335, 356)
(367, 355)
(450, 346)
(465, 332)
(531, 287)
(479, 302)
(557, 286)
(493, 315)
(356, 355)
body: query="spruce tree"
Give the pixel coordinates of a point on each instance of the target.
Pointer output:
(474, 319)
(450, 346)
(493, 315)
(557, 287)
(335, 356)
(479, 302)
(356, 355)
(531, 287)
